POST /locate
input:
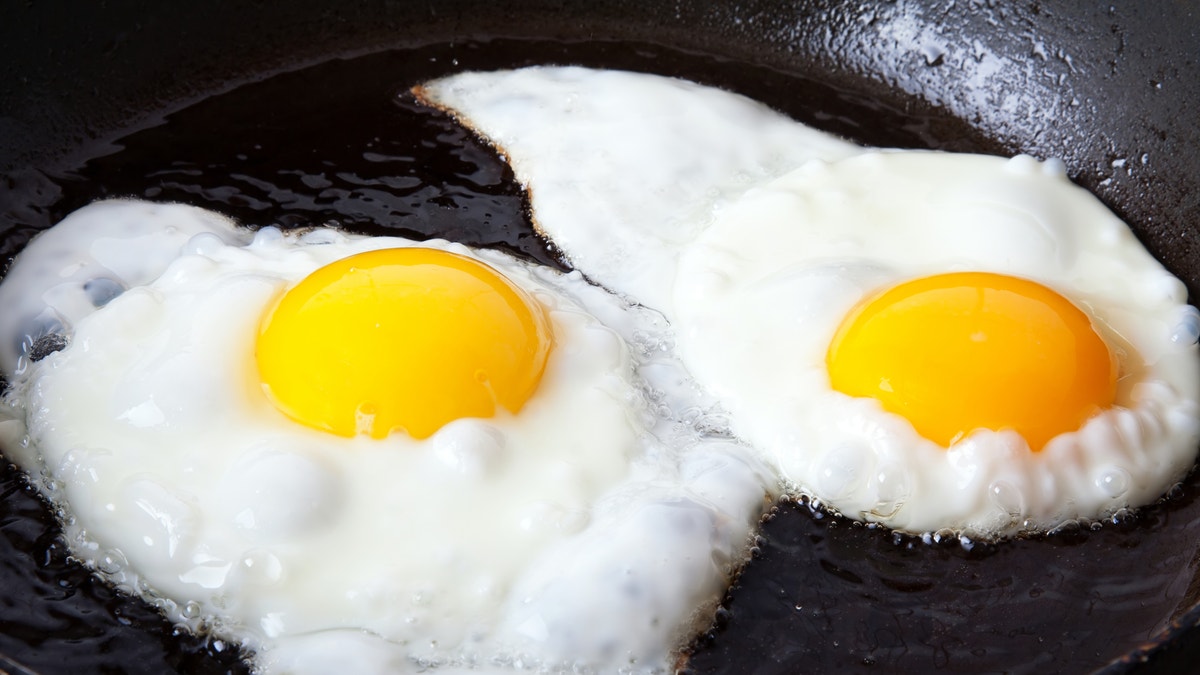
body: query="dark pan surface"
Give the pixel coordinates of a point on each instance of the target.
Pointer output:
(1114, 92)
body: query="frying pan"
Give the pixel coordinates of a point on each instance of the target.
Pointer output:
(1112, 89)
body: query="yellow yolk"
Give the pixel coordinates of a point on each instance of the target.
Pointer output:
(957, 352)
(406, 338)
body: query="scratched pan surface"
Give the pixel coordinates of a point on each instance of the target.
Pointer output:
(231, 107)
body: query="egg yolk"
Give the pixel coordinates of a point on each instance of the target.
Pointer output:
(405, 338)
(957, 352)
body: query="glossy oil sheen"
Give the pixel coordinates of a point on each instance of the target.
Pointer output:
(340, 142)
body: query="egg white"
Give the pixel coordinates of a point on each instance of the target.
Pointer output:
(498, 544)
(756, 256)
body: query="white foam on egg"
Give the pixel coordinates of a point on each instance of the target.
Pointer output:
(590, 532)
(755, 258)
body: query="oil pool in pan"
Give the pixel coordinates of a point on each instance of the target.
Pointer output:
(334, 143)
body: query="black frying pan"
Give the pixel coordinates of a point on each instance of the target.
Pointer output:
(1112, 90)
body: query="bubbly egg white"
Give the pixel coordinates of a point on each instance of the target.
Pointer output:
(589, 532)
(756, 258)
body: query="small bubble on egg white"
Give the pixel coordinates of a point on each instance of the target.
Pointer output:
(1071, 526)
(840, 471)
(322, 236)
(470, 447)
(185, 272)
(267, 236)
(111, 562)
(1186, 331)
(206, 244)
(1006, 497)
(1054, 167)
(1120, 515)
(1022, 164)
(1113, 482)
(1162, 286)
(944, 534)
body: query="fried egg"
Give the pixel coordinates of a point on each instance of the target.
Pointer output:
(939, 343)
(370, 454)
